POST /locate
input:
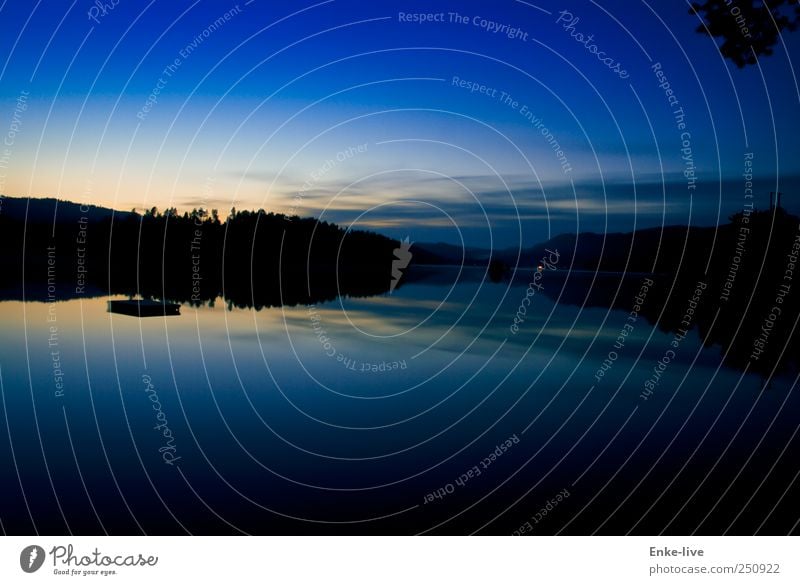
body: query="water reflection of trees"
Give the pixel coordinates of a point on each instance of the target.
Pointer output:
(750, 305)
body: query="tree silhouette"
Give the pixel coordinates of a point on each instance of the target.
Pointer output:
(748, 28)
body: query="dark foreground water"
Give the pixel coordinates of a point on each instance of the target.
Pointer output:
(419, 411)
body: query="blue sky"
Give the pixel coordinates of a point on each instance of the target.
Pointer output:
(343, 111)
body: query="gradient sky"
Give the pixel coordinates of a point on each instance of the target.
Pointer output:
(339, 110)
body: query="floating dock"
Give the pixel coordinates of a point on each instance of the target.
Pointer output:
(144, 308)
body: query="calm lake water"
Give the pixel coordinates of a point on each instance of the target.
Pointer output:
(418, 411)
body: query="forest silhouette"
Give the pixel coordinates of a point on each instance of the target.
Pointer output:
(253, 259)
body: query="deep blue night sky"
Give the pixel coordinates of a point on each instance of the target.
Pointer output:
(270, 107)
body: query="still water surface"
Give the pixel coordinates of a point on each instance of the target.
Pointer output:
(410, 412)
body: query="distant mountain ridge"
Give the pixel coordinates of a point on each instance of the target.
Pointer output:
(49, 209)
(645, 250)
